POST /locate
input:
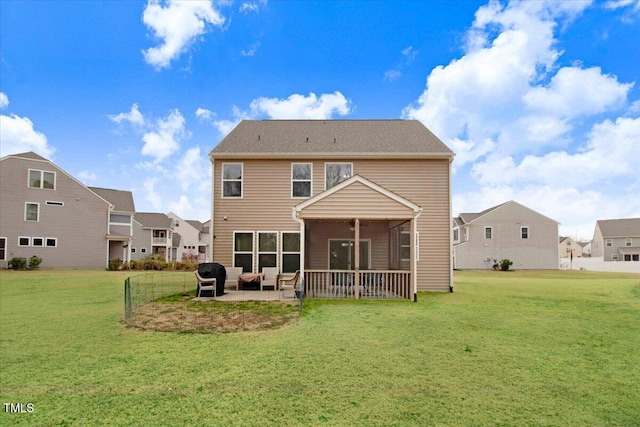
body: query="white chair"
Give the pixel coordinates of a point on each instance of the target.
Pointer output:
(233, 275)
(269, 277)
(206, 284)
(289, 283)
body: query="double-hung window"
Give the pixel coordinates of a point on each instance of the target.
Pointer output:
(243, 250)
(42, 179)
(628, 242)
(267, 249)
(335, 173)
(301, 180)
(232, 179)
(31, 211)
(488, 232)
(524, 232)
(3, 248)
(290, 252)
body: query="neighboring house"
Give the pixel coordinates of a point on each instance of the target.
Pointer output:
(120, 233)
(617, 239)
(203, 239)
(569, 248)
(153, 235)
(344, 200)
(194, 239)
(46, 212)
(507, 231)
(586, 249)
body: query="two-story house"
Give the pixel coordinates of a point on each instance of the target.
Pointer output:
(193, 242)
(507, 231)
(204, 251)
(617, 239)
(347, 202)
(153, 234)
(120, 233)
(44, 211)
(569, 248)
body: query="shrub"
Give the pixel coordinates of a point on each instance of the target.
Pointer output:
(114, 264)
(505, 264)
(17, 263)
(34, 262)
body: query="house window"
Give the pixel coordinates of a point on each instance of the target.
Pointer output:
(628, 242)
(42, 179)
(133, 250)
(488, 232)
(290, 252)
(143, 250)
(635, 257)
(627, 257)
(31, 211)
(51, 242)
(54, 203)
(405, 245)
(608, 242)
(524, 233)
(243, 251)
(37, 241)
(456, 234)
(3, 248)
(23, 241)
(120, 219)
(614, 257)
(267, 249)
(335, 173)
(232, 180)
(301, 179)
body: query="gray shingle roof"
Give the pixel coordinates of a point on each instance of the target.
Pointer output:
(28, 155)
(334, 138)
(626, 227)
(121, 200)
(153, 220)
(195, 224)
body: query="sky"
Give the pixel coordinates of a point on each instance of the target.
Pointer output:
(539, 100)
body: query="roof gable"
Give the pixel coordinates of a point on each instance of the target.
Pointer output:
(121, 200)
(471, 217)
(330, 138)
(357, 197)
(153, 220)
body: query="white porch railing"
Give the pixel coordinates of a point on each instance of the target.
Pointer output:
(372, 284)
(160, 241)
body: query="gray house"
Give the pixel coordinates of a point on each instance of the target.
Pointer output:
(153, 234)
(120, 233)
(617, 239)
(510, 230)
(349, 203)
(46, 212)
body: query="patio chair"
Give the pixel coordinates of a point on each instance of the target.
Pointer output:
(269, 277)
(233, 275)
(289, 283)
(206, 284)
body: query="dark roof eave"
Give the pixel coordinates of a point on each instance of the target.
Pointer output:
(285, 156)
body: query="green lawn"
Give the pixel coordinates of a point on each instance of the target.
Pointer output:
(514, 348)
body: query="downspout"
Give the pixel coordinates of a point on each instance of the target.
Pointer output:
(414, 273)
(296, 218)
(211, 225)
(450, 233)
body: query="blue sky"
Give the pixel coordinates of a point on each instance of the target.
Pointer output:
(539, 100)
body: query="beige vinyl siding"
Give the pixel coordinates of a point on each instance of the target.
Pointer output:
(79, 224)
(267, 191)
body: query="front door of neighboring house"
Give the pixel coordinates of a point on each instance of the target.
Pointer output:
(342, 254)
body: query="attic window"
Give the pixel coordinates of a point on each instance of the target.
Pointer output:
(53, 203)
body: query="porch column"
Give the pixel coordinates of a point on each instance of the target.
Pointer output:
(356, 255)
(302, 249)
(414, 258)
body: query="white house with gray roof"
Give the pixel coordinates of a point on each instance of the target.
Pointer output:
(44, 211)
(506, 231)
(153, 234)
(617, 240)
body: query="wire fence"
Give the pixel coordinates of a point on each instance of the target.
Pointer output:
(166, 301)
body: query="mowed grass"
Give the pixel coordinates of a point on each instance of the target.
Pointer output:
(515, 348)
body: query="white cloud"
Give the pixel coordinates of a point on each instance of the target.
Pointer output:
(204, 114)
(252, 50)
(566, 96)
(17, 135)
(165, 139)
(133, 117)
(150, 193)
(193, 171)
(408, 56)
(296, 106)
(249, 7)
(178, 24)
(302, 107)
(4, 100)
